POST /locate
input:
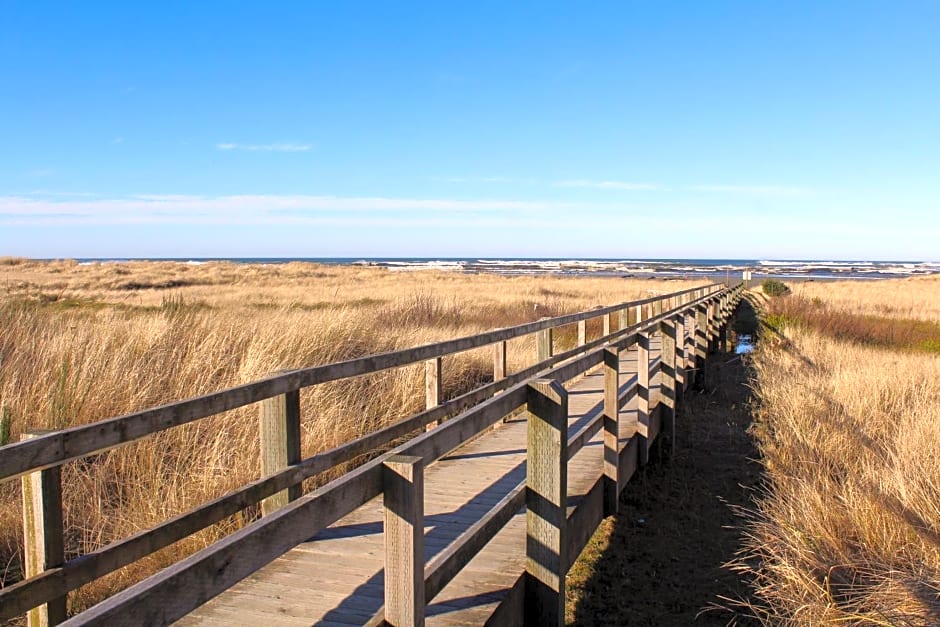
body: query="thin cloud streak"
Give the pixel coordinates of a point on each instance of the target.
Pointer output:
(753, 190)
(255, 209)
(284, 147)
(622, 185)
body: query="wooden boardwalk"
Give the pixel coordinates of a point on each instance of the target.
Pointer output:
(337, 578)
(479, 519)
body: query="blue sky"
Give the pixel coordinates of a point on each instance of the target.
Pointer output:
(629, 129)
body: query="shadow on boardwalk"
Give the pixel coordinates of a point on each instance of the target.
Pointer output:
(659, 561)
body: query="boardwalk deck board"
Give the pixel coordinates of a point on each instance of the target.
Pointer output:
(337, 577)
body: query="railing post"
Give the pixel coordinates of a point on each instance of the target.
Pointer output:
(582, 332)
(499, 361)
(689, 352)
(722, 323)
(667, 382)
(712, 327)
(611, 431)
(543, 344)
(433, 383)
(606, 325)
(44, 546)
(623, 317)
(639, 314)
(680, 322)
(701, 342)
(643, 396)
(403, 487)
(279, 430)
(546, 495)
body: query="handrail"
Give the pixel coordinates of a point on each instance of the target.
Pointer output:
(242, 551)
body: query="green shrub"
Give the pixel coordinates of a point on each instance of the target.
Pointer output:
(773, 287)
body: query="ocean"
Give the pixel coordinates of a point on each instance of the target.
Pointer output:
(639, 268)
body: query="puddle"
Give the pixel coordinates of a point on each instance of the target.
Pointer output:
(745, 345)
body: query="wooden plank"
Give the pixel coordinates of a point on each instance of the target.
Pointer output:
(403, 486)
(44, 546)
(543, 345)
(511, 611)
(499, 361)
(433, 383)
(279, 429)
(171, 593)
(629, 459)
(643, 395)
(611, 481)
(546, 495)
(445, 566)
(667, 380)
(701, 342)
(584, 520)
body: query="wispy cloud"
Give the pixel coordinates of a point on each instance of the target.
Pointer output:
(117, 140)
(253, 209)
(753, 190)
(623, 185)
(279, 147)
(487, 179)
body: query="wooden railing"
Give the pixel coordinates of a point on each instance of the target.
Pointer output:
(291, 518)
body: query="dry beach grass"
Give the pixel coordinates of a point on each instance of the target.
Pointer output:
(80, 343)
(847, 421)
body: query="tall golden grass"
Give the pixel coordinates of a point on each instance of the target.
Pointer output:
(916, 298)
(848, 530)
(80, 343)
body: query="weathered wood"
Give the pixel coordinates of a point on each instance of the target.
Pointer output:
(446, 564)
(701, 342)
(583, 521)
(433, 384)
(605, 331)
(177, 590)
(512, 610)
(667, 380)
(44, 546)
(689, 352)
(546, 496)
(722, 325)
(499, 361)
(611, 481)
(403, 487)
(643, 395)
(680, 322)
(623, 318)
(628, 460)
(279, 427)
(582, 332)
(543, 345)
